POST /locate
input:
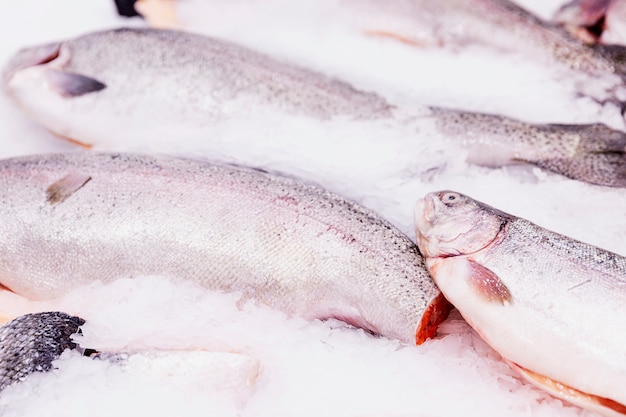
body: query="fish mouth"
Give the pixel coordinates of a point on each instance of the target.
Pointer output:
(35, 56)
(425, 212)
(423, 215)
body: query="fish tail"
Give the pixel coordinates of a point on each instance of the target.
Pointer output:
(599, 158)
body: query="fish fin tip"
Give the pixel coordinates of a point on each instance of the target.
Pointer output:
(487, 284)
(63, 188)
(70, 84)
(565, 392)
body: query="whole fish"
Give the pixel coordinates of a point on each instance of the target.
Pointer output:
(178, 92)
(30, 343)
(71, 219)
(501, 25)
(601, 21)
(553, 307)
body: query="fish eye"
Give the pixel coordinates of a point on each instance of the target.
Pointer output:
(450, 198)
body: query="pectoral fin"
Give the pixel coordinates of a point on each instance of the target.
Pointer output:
(487, 284)
(60, 190)
(582, 399)
(69, 84)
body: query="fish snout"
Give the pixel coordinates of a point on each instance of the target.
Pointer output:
(423, 216)
(34, 56)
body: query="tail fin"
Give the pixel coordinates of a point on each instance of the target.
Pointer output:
(600, 157)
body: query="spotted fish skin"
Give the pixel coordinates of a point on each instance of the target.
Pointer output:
(30, 343)
(292, 246)
(551, 305)
(200, 95)
(593, 153)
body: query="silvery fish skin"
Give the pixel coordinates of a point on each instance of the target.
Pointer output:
(600, 21)
(71, 219)
(165, 88)
(30, 343)
(552, 306)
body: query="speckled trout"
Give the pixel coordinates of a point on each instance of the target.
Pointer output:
(71, 219)
(553, 307)
(168, 91)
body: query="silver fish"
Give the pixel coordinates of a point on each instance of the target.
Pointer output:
(168, 90)
(71, 219)
(553, 307)
(30, 343)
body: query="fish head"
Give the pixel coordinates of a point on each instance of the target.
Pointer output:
(46, 69)
(451, 224)
(42, 82)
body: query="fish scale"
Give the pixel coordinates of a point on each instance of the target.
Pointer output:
(30, 343)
